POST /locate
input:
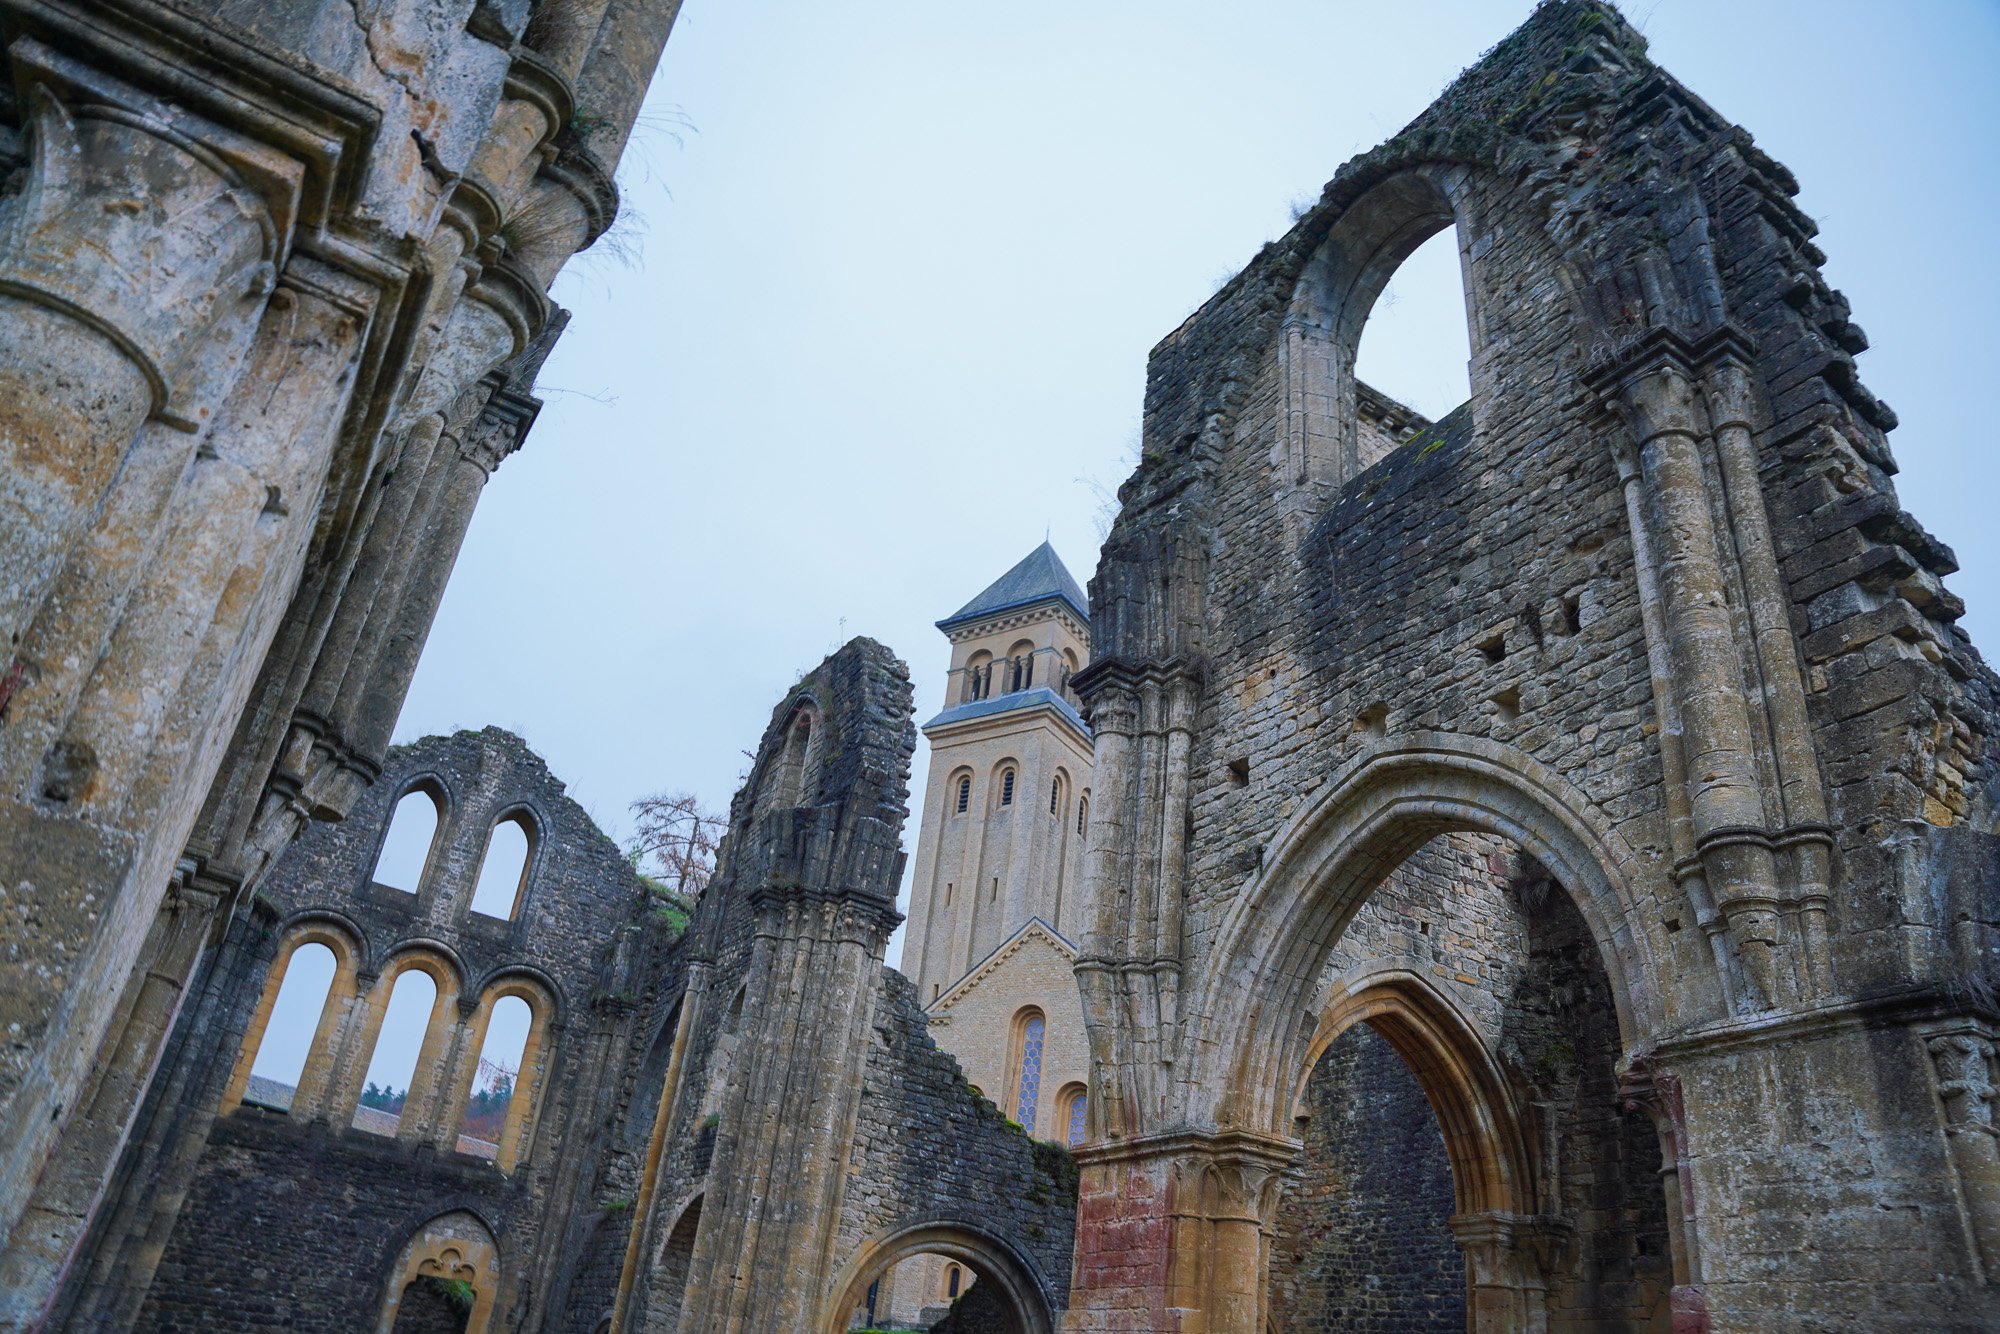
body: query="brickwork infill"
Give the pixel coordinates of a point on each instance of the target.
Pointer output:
(1362, 1245)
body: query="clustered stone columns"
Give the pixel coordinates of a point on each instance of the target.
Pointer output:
(269, 316)
(1129, 968)
(1963, 1063)
(1752, 843)
(765, 1256)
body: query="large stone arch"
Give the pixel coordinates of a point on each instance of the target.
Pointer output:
(1394, 796)
(997, 1261)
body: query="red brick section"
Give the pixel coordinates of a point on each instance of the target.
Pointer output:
(1124, 1241)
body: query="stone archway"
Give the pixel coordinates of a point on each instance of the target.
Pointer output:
(1012, 1275)
(1383, 805)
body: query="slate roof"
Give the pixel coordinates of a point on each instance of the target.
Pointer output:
(1041, 575)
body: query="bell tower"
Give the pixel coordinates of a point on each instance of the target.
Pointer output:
(1008, 794)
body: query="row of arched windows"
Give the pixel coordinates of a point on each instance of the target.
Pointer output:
(986, 675)
(408, 849)
(428, 1068)
(962, 800)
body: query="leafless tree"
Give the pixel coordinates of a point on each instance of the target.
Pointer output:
(679, 837)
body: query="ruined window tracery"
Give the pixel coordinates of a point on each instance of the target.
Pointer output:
(503, 874)
(413, 830)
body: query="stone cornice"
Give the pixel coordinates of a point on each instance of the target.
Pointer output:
(1054, 607)
(944, 728)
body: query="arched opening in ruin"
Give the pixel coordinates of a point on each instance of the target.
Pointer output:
(446, 1278)
(496, 1080)
(1381, 334)
(503, 873)
(399, 1041)
(406, 848)
(1469, 915)
(1414, 346)
(1010, 1293)
(291, 1025)
(672, 1265)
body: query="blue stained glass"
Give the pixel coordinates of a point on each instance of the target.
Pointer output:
(1031, 1075)
(1077, 1107)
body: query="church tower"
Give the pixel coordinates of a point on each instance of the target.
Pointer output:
(995, 903)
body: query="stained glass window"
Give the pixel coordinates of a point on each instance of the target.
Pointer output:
(1077, 1107)
(1031, 1074)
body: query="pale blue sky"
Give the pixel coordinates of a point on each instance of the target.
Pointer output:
(900, 296)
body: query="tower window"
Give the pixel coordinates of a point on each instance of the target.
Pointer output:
(1079, 1107)
(1082, 813)
(964, 794)
(951, 1283)
(1055, 795)
(1007, 788)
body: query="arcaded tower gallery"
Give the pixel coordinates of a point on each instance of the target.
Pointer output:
(1532, 871)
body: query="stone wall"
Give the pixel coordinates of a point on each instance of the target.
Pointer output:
(301, 1217)
(1646, 607)
(275, 283)
(1362, 1243)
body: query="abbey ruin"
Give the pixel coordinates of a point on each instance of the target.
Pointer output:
(1533, 870)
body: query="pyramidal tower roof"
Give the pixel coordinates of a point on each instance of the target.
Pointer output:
(1040, 575)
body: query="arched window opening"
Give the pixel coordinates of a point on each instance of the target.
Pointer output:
(1415, 346)
(496, 1084)
(1028, 1068)
(1007, 788)
(1055, 796)
(288, 1034)
(446, 1278)
(505, 871)
(1076, 1112)
(392, 1065)
(676, 1259)
(1082, 813)
(798, 778)
(978, 676)
(406, 851)
(964, 794)
(952, 1278)
(1021, 665)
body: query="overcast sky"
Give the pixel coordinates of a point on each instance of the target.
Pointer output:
(890, 300)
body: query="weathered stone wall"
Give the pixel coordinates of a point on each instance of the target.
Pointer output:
(275, 286)
(1647, 607)
(1362, 1243)
(300, 1217)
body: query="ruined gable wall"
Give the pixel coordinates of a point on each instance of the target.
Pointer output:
(306, 1217)
(1782, 769)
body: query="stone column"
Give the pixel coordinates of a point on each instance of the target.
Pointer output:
(1508, 1258)
(1962, 1061)
(1173, 1232)
(764, 1258)
(135, 241)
